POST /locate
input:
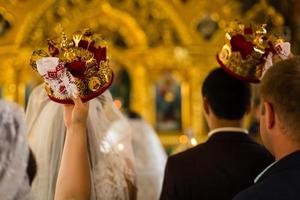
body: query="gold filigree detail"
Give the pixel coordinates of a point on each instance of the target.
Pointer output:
(94, 83)
(36, 55)
(77, 37)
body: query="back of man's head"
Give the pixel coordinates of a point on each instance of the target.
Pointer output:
(228, 97)
(281, 88)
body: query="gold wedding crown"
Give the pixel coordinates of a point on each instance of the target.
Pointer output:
(84, 56)
(246, 49)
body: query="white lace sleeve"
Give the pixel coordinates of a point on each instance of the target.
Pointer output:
(111, 180)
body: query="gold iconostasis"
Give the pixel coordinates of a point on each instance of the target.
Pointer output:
(160, 51)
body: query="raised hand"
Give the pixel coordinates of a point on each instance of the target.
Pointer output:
(74, 178)
(76, 114)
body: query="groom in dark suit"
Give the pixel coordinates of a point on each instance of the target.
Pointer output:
(230, 160)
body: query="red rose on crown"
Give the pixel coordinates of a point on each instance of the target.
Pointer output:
(239, 43)
(99, 53)
(76, 68)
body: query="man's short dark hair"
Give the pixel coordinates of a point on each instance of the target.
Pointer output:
(228, 97)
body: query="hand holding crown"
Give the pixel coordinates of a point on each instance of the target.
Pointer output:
(76, 66)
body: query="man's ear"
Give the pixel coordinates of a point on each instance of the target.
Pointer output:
(269, 115)
(206, 106)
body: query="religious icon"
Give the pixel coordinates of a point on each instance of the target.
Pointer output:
(168, 104)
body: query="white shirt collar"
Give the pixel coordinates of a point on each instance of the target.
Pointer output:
(227, 129)
(263, 172)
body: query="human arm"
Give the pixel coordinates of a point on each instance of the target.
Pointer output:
(74, 179)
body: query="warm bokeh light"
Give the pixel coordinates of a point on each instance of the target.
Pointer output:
(169, 97)
(121, 147)
(183, 139)
(118, 103)
(194, 141)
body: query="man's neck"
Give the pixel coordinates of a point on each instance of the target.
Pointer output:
(219, 123)
(285, 147)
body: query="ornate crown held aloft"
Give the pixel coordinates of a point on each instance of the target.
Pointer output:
(248, 50)
(76, 66)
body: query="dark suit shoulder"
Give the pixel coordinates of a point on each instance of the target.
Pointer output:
(262, 191)
(186, 155)
(252, 193)
(280, 186)
(189, 156)
(224, 148)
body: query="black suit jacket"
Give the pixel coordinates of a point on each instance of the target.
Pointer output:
(215, 170)
(279, 182)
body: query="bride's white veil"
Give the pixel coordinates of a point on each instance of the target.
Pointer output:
(150, 160)
(109, 139)
(14, 151)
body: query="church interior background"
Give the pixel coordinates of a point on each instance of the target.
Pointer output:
(160, 50)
